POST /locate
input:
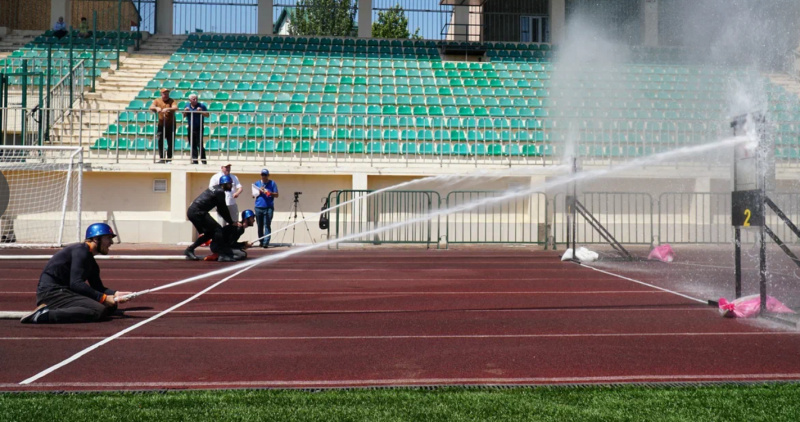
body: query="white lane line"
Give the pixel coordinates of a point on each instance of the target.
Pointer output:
(391, 311)
(646, 284)
(415, 293)
(420, 337)
(129, 329)
(423, 381)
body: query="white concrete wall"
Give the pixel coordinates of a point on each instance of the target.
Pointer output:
(558, 20)
(61, 8)
(364, 18)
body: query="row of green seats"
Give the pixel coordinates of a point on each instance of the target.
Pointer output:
(343, 121)
(274, 132)
(82, 42)
(373, 42)
(347, 80)
(317, 89)
(360, 109)
(61, 54)
(259, 52)
(338, 147)
(369, 99)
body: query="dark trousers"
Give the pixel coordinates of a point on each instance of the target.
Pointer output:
(67, 306)
(60, 33)
(210, 229)
(196, 141)
(166, 131)
(264, 221)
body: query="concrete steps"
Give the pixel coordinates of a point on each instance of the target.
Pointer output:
(114, 91)
(788, 83)
(17, 39)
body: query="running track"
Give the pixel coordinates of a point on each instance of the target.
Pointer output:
(385, 317)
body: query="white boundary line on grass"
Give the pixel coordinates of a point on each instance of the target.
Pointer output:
(76, 356)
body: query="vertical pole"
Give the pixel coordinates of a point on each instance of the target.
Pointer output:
(762, 269)
(94, 49)
(119, 29)
(3, 82)
(24, 98)
(69, 71)
(41, 121)
(737, 260)
(48, 75)
(138, 24)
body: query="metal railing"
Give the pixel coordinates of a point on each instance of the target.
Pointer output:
(628, 216)
(219, 16)
(362, 134)
(694, 217)
(383, 210)
(521, 220)
(62, 95)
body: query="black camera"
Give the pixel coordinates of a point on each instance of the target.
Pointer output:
(298, 193)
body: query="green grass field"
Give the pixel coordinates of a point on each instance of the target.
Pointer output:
(758, 402)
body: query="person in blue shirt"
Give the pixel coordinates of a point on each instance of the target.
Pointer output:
(60, 28)
(195, 114)
(265, 191)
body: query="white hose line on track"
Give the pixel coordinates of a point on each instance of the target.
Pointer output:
(705, 302)
(76, 356)
(99, 257)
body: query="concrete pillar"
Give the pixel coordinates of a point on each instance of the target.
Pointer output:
(650, 22)
(360, 181)
(558, 21)
(461, 27)
(178, 195)
(364, 21)
(60, 8)
(164, 17)
(265, 18)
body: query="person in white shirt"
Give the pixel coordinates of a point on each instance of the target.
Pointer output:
(230, 197)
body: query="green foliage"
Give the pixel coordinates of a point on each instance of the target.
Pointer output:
(393, 23)
(323, 17)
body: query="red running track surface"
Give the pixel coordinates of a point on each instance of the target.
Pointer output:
(388, 316)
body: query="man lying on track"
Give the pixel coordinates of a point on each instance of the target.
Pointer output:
(63, 294)
(229, 244)
(213, 197)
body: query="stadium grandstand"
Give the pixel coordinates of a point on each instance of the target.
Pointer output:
(468, 85)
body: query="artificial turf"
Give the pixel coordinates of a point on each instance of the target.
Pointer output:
(758, 402)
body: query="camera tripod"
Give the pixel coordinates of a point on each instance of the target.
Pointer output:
(293, 219)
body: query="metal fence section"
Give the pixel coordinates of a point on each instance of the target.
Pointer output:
(62, 95)
(219, 16)
(694, 217)
(384, 209)
(427, 17)
(520, 220)
(789, 203)
(628, 216)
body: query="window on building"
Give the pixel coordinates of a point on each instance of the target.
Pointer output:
(534, 29)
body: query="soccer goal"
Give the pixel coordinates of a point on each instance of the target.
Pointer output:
(40, 196)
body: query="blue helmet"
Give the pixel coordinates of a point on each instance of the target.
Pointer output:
(225, 179)
(247, 214)
(99, 229)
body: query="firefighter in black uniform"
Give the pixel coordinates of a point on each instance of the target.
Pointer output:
(213, 197)
(63, 294)
(230, 245)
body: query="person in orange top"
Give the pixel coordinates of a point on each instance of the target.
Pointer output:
(165, 107)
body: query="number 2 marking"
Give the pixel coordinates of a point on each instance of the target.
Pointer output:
(747, 215)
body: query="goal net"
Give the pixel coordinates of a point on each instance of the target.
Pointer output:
(40, 196)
